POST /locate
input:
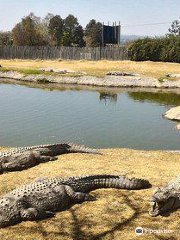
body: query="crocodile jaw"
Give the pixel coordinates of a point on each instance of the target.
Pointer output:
(154, 211)
(158, 207)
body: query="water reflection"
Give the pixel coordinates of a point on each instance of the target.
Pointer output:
(158, 97)
(108, 97)
(163, 96)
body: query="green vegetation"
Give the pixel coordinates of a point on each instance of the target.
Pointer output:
(29, 71)
(161, 79)
(24, 71)
(175, 28)
(52, 30)
(55, 29)
(166, 49)
(2, 69)
(93, 34)
(6, 38)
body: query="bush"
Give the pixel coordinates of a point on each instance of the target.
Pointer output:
(165, 49)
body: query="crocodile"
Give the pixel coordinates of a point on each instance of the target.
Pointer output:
(165, 199)
(44, 197)
(21, 158)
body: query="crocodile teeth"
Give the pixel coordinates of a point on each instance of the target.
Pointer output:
(153, 205)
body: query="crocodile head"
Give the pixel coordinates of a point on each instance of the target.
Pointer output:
(163, 201)
(9, 212)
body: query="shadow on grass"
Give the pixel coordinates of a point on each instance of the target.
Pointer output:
(164, 238)
(77, 226)
(123, 224)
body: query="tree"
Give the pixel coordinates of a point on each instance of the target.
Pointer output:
(166, 49)
(175, 28)
(6, 38)
(18, 35)
(93, 34)
(79, 36)
(25, 33)
(41, 25)
(73, 32)
(55, 28)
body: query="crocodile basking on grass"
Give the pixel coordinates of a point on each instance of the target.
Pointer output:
(21, 158)
(44, 197)
(166, 199)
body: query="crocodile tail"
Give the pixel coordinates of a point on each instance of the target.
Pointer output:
(75, 148)
(93, 182)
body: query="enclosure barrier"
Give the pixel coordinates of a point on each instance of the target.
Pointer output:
(73, 53)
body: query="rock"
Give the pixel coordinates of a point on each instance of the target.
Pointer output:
(46, 69)
(62, 71)
(178, 127)
(173, 113)
(122, 74)
(173, 75)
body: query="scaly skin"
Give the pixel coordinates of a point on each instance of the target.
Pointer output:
(166, 198)
(22, 158)
(44, 197)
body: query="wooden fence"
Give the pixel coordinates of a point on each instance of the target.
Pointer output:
(75, 53)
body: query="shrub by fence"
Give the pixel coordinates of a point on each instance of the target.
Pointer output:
(75, 53)
(165, 49)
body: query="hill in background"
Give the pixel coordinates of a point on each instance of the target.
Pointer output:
(125, 38)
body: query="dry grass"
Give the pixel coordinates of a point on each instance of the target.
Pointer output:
(99, 68)
(117, 212)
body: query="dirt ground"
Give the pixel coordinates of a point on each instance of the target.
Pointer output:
(116, 214)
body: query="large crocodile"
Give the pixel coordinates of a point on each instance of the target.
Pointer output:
(25, 157)
(166, 198)
(44, 197)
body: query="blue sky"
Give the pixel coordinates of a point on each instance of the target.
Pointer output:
(129, 12)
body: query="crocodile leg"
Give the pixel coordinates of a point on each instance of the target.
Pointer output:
(31, 214)
(79, 197)
(44, 159)
(28, 214)
(44, 155)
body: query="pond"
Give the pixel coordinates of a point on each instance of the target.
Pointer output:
(102, 118)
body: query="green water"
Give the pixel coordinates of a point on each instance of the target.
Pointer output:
(101, 119)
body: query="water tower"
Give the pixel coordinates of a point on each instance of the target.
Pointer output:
(111, 34)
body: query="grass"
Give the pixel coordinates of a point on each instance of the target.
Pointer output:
(21, 70)
(29, 71)
(97, 68)
(116, 214)
(161, 79)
